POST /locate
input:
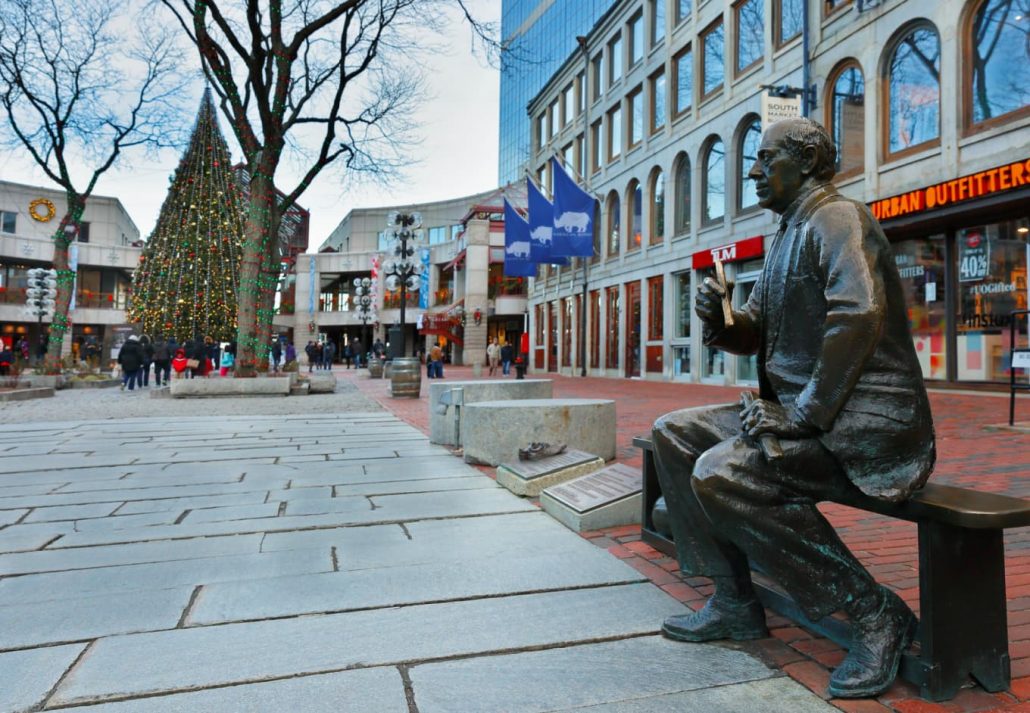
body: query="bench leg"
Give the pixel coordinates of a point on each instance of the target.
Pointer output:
(963, 622)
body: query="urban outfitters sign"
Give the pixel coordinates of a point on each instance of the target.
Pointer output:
(995, 180)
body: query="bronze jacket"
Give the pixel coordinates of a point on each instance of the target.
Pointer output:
(828, 322)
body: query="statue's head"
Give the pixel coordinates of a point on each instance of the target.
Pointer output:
(795, 154)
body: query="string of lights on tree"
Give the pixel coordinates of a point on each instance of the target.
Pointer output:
(188, 278)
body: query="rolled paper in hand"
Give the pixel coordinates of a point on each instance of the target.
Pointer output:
(727, 308)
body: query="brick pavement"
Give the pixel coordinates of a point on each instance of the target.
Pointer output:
(968, 455)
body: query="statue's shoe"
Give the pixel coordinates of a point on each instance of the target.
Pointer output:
(719, 620)
(878, 641)
(537, 450)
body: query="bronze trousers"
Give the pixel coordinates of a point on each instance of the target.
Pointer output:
(730, 508)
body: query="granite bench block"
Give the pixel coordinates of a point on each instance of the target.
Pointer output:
(495, 430)
(446, 421)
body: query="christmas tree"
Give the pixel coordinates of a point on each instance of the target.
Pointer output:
(188, 277)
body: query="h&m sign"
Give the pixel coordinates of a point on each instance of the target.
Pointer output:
(741, 250)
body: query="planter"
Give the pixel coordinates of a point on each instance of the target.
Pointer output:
(375, 369)
(27, 394)
(92, 383)
(406, 377)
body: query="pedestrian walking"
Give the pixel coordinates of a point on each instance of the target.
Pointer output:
(436, 362)
(347, 354)
(226, 362)
(130, 359)
(162, 360)
(41, 349)
(493, 355)
(328, 354)
(359, 356)
(291, 355)
(309, 350)
(507, 355)
(6, 359)
(277, 355)
(148, 358)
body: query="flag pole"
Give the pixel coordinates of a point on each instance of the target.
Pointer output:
(582, 40)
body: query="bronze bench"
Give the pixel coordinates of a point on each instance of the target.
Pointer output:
(963, 629)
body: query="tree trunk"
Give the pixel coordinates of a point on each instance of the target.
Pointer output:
(261, 204)
(61, 322)
(268, 284)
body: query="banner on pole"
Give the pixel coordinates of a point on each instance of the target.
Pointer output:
(573, 229)
(516, 244)
(541, 227)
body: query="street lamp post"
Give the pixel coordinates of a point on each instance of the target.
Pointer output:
(40, 294)
(366, 310)
(404, 231)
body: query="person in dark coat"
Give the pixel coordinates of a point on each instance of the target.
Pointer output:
(277, 355)
(841, 414)
(148, 357)
(328, 353)
(309, 350)
(162, 360)
(359, 356)
(130, 358)
(507, 356)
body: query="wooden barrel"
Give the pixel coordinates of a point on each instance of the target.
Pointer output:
(406, 377)
(375, 368)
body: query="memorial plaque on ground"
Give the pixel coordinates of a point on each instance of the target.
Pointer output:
(607, 498)
(529, 478)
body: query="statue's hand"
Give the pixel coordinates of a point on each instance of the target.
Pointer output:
(764, 416)
(708, 303)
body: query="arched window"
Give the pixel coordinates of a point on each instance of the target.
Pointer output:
(714, 182)
(635, 199)
(682, 207)
(997, 78)
(747, 153)
(846, 117)
(914, 90)
(657, 207)
(614, 224)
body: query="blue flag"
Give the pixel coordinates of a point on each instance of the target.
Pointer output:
(541, 222)
(516, 245)
(573, 233)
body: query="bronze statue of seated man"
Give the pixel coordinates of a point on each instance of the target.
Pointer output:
(841, 413)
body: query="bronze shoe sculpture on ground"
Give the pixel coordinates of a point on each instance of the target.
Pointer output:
(538, 450)
(719, 619)
(878, 641)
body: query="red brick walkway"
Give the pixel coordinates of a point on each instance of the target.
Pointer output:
(967, 455)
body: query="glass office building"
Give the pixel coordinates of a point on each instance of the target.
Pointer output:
(540, 34)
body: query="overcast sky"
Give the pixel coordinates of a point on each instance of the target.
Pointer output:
(456, 156)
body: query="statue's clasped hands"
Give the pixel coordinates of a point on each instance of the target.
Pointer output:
(762, 417)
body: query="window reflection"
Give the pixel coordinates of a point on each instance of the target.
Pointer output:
(750, 23)
(714, 68)
(715, 182)
(791, 20)
(658, 209)
(749, 144)
(636, 199)
(613, 223)
(848, 120)
(682, 216)
(914, 85)
(1000, 58)
(684, 80)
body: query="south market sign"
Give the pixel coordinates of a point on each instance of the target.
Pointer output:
(977, 185)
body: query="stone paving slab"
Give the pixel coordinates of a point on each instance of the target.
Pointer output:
(136, 553)
(777, 695)
(51, 462)
(10, 516)
(127, 522)
(398, 487)
(376, 690)
(11, 490)
(129, 494)
(379, 540)
(581, 676)
(311, 514)
(137, 507)
(27, 676)
(162, 575)
(367, 589)
(228, 514)
(69, 512)
(36, 623)
(183, 659)
(62, 475)
(317, 492)
(25, 538)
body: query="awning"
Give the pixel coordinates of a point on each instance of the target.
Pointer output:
(456, 262)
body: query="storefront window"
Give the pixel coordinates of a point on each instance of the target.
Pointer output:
(681, 345)
(992, 283)
(595, 329)
(747, 276)
(655, 308)
(713, 359)
(612, 318)
(566, 333)
(920, 265)
(552, 336)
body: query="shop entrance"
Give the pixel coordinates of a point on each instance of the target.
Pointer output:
(632, 329)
